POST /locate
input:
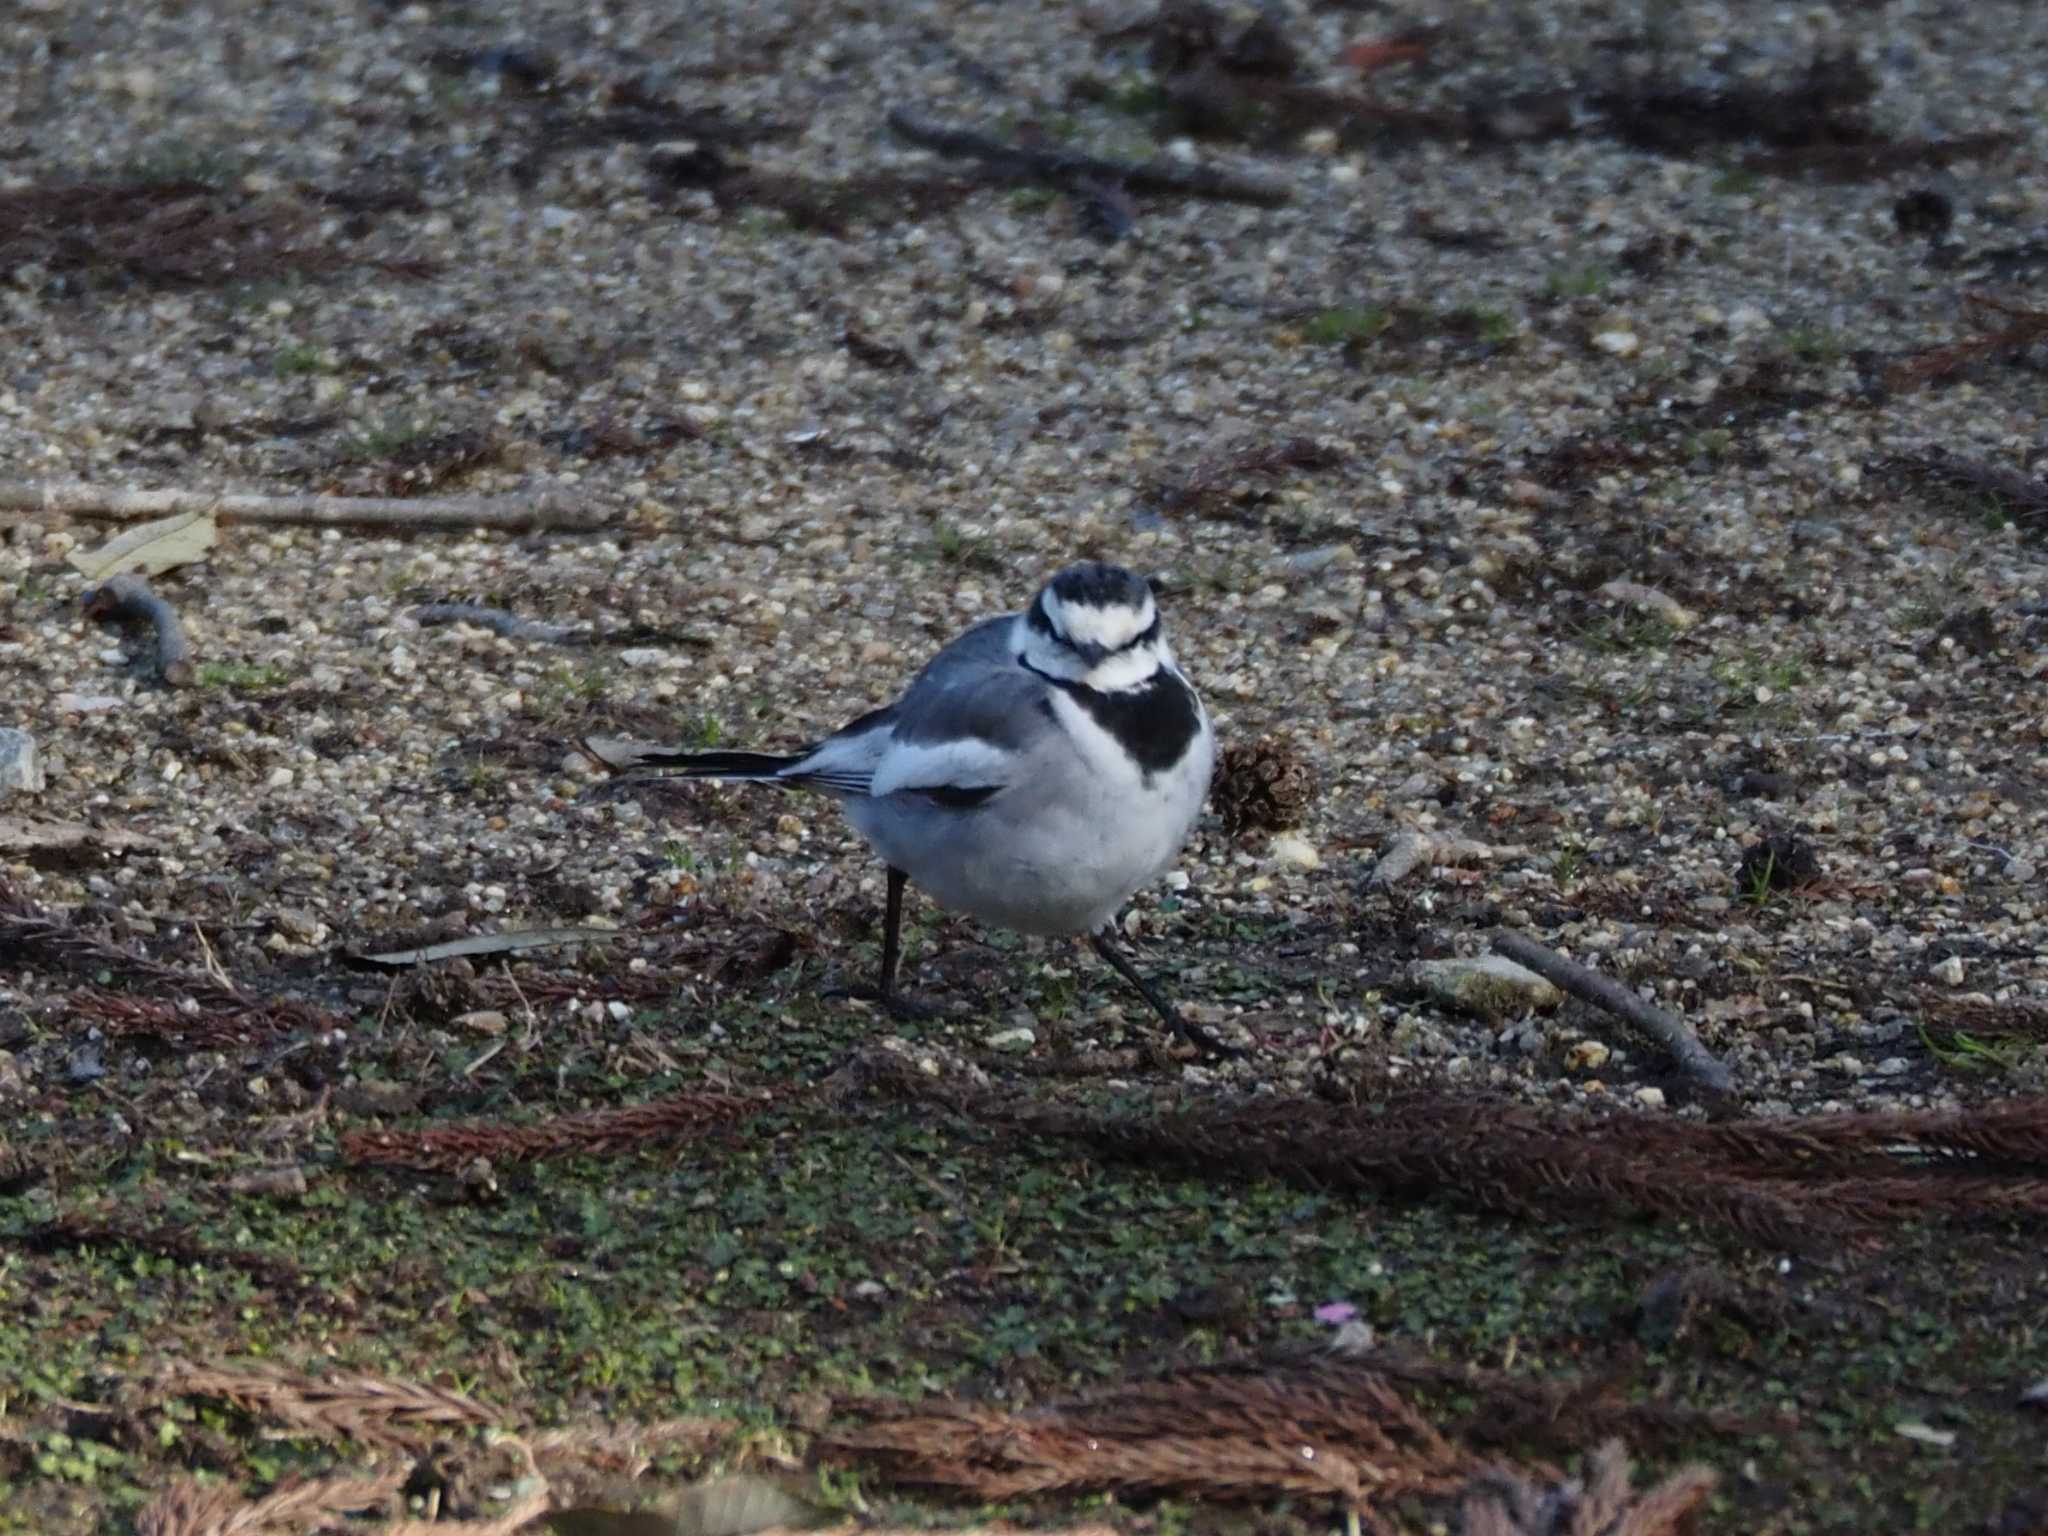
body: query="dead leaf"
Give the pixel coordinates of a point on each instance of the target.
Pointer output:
(151, 548)
(481, 944)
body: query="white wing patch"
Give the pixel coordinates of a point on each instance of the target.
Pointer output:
(964, 763)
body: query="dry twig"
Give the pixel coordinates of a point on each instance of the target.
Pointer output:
(126, 599)
(1666, 1028)
(515, 513)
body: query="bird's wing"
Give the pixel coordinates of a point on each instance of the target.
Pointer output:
(964, 730)
(949, 737)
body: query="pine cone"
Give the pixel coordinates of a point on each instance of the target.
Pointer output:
(1262, 786)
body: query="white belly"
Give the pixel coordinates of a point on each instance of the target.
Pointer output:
(1062, 848)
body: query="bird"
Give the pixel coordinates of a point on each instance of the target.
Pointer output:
(1036, 773)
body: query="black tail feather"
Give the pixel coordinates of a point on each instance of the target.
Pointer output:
(718, 765)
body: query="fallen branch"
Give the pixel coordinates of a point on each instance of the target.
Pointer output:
(1081, 174)
(127, 600)
(21, 835)
(81, 499)
(1667, 1029)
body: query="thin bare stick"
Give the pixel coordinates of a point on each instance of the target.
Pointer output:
(1667, 1029)
(1076, 173)
(126, 599)
(499, 622)
(82, 499)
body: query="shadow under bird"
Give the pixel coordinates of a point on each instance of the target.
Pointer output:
(1038, 771)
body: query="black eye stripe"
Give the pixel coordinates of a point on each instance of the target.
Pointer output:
(1151, 633)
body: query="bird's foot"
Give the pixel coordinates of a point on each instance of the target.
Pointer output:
(901, 1006)
(1206, 1044)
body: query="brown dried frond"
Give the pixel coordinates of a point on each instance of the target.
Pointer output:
(1262, 786)
(33, 936)
(518, 1518)
(188, 1509)
(592, 1133)
(79, 1230)
(164, 232)
(120, 1014)
(2013, 326)
(1880, 157)
(628, 1449)
(1497, 1156)
(434, 461)
(1506, 1503)
(370, 1410)
(1556, 1413)
(2014, 1131)
(1210, 483)
(1327, 1427)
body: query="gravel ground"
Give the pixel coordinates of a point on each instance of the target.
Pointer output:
(825, 452)
(1387, 449)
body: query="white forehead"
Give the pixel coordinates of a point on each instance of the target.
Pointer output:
(1110, 625)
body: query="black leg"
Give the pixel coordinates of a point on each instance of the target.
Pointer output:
(892, 934)
(898, 1005)
(1187, 1029)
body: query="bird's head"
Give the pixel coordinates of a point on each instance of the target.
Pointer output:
(1096, 625)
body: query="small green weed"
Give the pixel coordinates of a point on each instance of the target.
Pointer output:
(1962, 1052)
(1335, 327)
(299, 359)
(241, 676)
(1576, 283)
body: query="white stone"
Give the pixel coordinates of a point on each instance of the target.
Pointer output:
(1291, 852)
(21, 765)
(1491, 986)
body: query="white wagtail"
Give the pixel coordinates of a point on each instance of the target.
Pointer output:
(1039, 770)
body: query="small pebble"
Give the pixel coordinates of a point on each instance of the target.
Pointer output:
(1292, 852)
(21, 764)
